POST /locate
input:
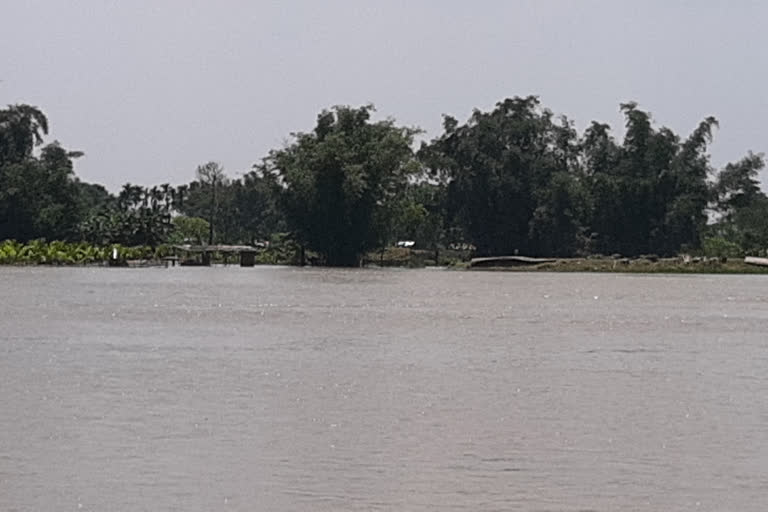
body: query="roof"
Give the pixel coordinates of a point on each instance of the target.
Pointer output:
(216, 248)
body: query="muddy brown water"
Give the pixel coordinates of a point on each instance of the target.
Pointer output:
(282, 389)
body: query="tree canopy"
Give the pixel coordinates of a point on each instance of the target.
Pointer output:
(514, 179)
(338, 181)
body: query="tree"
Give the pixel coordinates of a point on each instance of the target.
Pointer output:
(682, 193)
(257, 203)
(211, 176)
(213, 196)
(419, 215)
(737, 185)
(499, 167)
(741, 206)
(557, 227)
(650, 194)
(21, 129)
(39, 197)
(190, 229)
(138, 216)
(338, 181)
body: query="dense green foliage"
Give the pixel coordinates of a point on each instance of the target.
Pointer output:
(137, 216)
(190, 230)
(341, 180)
(515, 179)
(57, 252)
(38, 194)
(237, 210)
(523, 182)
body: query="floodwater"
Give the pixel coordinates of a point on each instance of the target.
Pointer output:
(281, 389)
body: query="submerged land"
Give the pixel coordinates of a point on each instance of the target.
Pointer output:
(83, 254)
(638, 266)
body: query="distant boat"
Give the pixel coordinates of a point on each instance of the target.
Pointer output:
(753, 260)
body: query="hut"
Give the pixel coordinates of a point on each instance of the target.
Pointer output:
(203, 255)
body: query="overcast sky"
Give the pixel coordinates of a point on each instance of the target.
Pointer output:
(150, 89)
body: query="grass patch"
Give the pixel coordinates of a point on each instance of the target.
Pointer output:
(640, 266)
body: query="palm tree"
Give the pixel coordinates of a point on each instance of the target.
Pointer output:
(21, 129)
(130, 196)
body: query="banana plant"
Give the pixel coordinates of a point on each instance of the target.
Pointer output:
(65, 253)
(9, 252)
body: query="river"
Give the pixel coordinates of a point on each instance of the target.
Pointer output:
(286, 389)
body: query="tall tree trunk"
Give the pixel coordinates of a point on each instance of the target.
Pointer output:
(212, 214)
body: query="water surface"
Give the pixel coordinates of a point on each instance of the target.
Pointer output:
(282, 389)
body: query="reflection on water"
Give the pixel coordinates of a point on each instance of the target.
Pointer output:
(327, 390)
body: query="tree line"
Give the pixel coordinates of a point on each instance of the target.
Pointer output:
(513, 180)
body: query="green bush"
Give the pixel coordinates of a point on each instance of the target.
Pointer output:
(39, 252)
(719, 247)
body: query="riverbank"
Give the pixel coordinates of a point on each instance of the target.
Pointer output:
(638, 266)
(82, 254)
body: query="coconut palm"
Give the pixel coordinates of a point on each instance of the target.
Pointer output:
(21, 129)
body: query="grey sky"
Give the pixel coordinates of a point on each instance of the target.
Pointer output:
(151, 89)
